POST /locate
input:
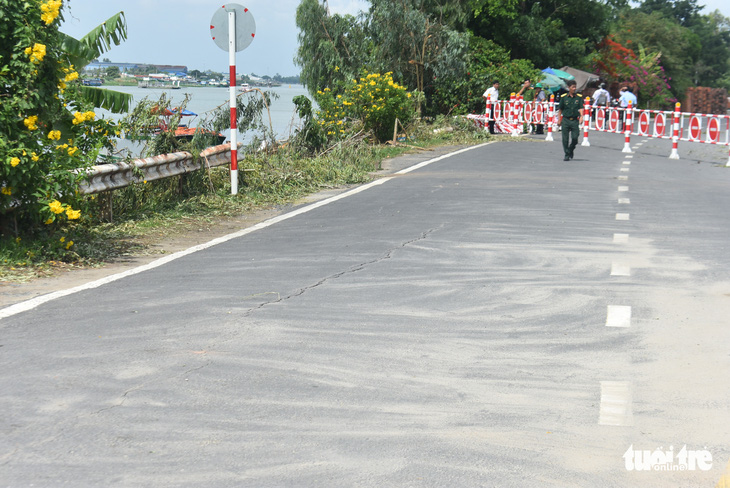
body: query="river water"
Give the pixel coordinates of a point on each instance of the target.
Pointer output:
(203, 100)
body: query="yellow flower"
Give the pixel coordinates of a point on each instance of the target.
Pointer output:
(7, 190)
(56, 207)
(14, 162)
(78, 118)
(30, 122)
(36, 53)
(34, 156)
(54, 135)
(72, 150)
(62, 239)
(72, 214)
(61, 85)
(49, 221)
(49, 11)
(71, 76)
(70, 243)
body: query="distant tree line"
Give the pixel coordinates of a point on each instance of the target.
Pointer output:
(450, 50)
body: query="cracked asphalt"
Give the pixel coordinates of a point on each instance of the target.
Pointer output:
(447, 327)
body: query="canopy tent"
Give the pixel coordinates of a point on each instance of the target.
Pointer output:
(582, 78)
(552, 82)
(559, 73)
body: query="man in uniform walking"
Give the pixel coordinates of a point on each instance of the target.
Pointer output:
(570, 109)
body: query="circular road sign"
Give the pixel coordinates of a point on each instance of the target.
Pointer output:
(529, 115)
(694, 128)
(713, 130)
(539, 112)
(644, 123)
(601, 119)
(245, 26)
(660, 123)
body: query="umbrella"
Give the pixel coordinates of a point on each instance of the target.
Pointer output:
(559, 73)
(552, 82)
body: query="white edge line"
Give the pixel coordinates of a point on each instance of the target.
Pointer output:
(35, 302)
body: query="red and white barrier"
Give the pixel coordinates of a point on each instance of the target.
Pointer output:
(586, 121)
(627, 129)
(551, 118)
(675, 133)
(658, 124)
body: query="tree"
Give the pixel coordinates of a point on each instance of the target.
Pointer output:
(112, 72)
(677, 45)
(414, 44)
(549, 33)
(332, 48)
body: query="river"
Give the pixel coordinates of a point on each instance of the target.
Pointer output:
(203, 100)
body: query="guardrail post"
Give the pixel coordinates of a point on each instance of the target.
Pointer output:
(551, 115)
(586, 121)
(675, 132)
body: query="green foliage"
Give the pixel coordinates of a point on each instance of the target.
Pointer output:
(675, 44)
(549, 33)
(413, 41)
(47, 127)
(487, 62)
(332, 48)
(375, 100)
(310, 138)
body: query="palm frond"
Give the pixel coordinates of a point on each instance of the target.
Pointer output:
(111, 100)
(112, 32)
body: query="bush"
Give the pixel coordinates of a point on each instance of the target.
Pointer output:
(374, 99)
(46, 129)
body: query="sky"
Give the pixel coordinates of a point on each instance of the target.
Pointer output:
(178, 31)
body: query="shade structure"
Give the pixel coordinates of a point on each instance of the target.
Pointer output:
(582, 78)
(563, 75)
(552, 82)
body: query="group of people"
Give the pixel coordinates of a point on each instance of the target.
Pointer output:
(570, 108)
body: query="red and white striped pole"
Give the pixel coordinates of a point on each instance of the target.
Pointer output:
(551, 117)
(586, 121)
(232, 89)
(627, 129)
(675, 132)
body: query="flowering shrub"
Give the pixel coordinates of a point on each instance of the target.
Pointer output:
(374, 99)
(619, 63)
(47, 130)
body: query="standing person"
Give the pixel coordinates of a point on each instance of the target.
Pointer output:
(491, 96)
(539, 100)
(627, 95)
(570, 113)
(601, 98)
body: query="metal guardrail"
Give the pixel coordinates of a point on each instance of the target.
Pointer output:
(104, 177)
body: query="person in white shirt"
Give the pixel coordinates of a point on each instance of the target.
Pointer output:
(627, 95)
(491, 96)
(601, 98)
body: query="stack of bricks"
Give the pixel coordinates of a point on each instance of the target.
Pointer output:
(702, 100)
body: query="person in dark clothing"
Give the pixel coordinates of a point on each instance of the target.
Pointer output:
(570, 113)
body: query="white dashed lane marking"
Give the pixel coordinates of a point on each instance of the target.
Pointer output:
(618, 269)
(620, 238)
(616, 409)
(623, 188)
(622, 216)
(618, 316)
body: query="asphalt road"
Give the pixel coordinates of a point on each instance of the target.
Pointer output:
(495, 318)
